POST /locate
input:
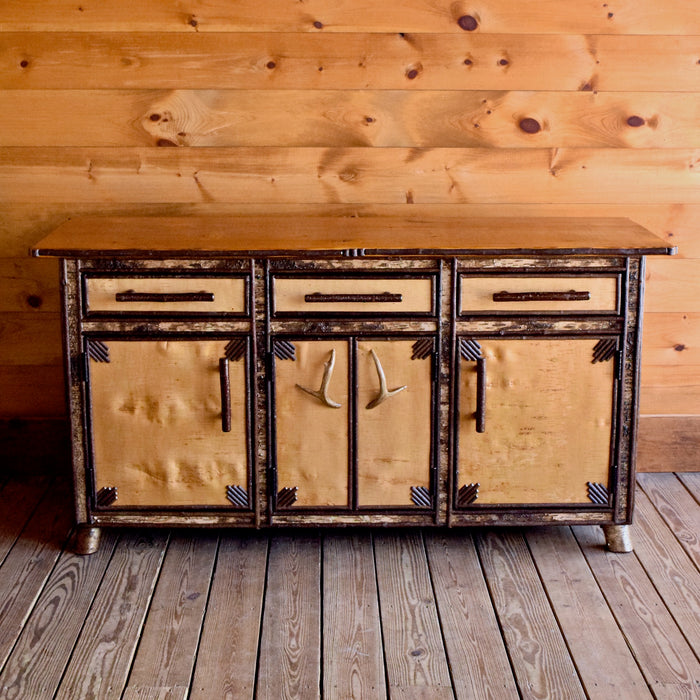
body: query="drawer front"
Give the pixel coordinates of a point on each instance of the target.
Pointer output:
(356, 295)
(518, 294)
(166, 295)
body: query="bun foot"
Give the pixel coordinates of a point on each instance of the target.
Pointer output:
(617, 537)
(87, 539)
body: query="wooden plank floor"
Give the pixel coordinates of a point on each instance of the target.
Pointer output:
(497, 613)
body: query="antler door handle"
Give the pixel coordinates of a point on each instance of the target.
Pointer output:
(322, 393)
(384, 392)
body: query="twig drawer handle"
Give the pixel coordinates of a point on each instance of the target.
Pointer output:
(383, 297)
(384, 392)
(322, 393)
(131, 295)
(225, 395)
(571, 295)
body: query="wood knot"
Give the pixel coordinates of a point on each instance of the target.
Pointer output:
(34, 301)
(349, 175)
(24, 63)
(468, 62)
(165, 142)
(635, 121)
(318, 25)
(679, 348)
(468, 23)
(271, 65)
(503, 62)
(529, 125)
(154, 117)
(414, 71)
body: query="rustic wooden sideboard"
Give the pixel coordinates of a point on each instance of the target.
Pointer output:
(289, 371)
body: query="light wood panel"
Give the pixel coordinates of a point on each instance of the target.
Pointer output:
(667, 662)
(671, 390)
(290, 645)
(226, 662)
(541, 663)
(287, 118)
(106, 646)
(27, 287)
(171, 632)
(350, 175)
(583, 615)
(464, 604)
(554, 16)
(353, 659)
(669, 443)
(415, 659)
(671, 339)
(36, 60)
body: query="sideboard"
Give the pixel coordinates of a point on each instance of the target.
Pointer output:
(316, 371)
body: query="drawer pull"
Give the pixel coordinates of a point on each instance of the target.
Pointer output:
(481, 395)
(322, 393)
(165, 297)
(384, 297)
(384, 392)
(571, 295)
(225, 395)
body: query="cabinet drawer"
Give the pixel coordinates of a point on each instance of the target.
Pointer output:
(166, 295)
(525, 294)
(357, 295)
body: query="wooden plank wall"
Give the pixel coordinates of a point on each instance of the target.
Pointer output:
(426, 107)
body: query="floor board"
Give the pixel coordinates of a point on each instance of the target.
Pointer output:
(334, 614)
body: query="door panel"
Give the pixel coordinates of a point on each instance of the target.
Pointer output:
(312, 445)
(156, 423)
(548, 421)
(393, 437)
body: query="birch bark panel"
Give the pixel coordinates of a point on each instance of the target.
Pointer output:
(477, 293)
(35, 60)
(549, 410)
(156, 423)
(311, 438)
(394, 437)
(510, 16)
(228, 295)
(414, 295)
(345, 118)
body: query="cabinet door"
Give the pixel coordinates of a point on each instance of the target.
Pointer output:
(158, 413)
(394, 426)
(312, 422)
(539, 428)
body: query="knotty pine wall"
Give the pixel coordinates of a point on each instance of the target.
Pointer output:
(426, 108)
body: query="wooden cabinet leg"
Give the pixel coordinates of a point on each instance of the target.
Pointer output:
(87, 539)
(618, 538)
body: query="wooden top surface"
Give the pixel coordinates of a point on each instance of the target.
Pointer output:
(204, 236)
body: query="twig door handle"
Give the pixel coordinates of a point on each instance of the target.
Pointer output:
(322, 393)
(384, 392)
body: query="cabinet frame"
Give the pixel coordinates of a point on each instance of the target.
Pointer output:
(397, 253)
